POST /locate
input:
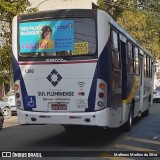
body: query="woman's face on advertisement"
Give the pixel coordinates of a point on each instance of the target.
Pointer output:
(47, 34)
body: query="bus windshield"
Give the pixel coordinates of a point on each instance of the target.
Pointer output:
(57, 37)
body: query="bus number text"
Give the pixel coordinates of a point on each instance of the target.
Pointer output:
(29, 70)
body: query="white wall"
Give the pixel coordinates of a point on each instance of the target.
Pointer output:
(62, 4)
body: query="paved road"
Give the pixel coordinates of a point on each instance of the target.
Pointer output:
(145, 136)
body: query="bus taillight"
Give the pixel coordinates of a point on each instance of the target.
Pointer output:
(102, 86)
(16, 87)
(17, 95)
(101, 94)
(19, 18)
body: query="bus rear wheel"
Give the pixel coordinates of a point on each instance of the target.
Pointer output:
(146, 113)
(129, 123)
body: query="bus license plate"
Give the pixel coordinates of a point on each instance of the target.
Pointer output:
(58, 106)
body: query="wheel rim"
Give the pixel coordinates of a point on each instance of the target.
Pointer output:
(6, 112)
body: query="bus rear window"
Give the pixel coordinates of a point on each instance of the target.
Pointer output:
(63, 37)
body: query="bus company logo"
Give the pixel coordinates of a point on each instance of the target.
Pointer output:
(69, 26)
(54, 77)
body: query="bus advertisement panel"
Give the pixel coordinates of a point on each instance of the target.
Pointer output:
(49, 36)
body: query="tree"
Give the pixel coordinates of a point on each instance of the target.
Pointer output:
(116, 7)
(102, 5)
(9, 9)
(140, 19)
(5, 65)
(144, 27)
(150, 5)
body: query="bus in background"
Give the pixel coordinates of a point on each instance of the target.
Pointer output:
(79, 67)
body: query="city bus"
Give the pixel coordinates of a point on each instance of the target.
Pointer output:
(79, 67)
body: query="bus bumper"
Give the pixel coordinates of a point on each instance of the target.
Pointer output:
(98, 118)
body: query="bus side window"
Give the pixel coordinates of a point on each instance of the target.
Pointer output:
(149, 67)
(130, 58)
(145, 66)
(115, 50)
(136, 61)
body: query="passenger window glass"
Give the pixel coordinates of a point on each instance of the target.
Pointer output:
(136, 61)
(145, 66)
(130, 58)
(115, 60)
(115, 40)
(129, 50)
(70, 37)
(115, 51)
(136, 54)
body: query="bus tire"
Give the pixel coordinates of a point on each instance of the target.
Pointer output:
(146, 113)
(129, 123)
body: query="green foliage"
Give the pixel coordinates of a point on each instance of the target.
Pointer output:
(115, 8)
(134, 23)
(5, 64)
(150, 5)
(144, 27)
(140, 19)
(102, 5)
(9, 9)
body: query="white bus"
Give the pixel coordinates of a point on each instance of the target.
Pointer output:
(79, 67)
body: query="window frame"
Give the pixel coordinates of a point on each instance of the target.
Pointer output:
(115, 51)
(62, 54)
(130, 57)
(136, 60)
